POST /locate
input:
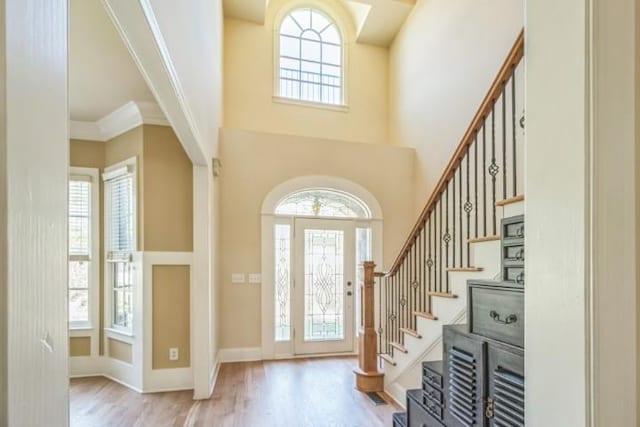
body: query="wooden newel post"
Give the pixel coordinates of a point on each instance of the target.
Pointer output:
(367, 376)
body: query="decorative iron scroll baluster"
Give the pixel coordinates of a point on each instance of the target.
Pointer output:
(504, 141)
(447, 240)
(484, 174)
(416, 277)
(493, 168)
(430, 259)
(439, 264)
(513, 130)
(468, 207)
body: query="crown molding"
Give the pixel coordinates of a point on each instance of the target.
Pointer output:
(129, 116)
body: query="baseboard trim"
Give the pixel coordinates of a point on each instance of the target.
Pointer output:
(213, 376)
(246, 354)
(163, 380)
(122, 383)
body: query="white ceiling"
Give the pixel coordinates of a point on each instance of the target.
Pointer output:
(102, 74)
(377, 21)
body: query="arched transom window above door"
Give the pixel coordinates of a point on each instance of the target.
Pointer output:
(310, 66)
(319, 202)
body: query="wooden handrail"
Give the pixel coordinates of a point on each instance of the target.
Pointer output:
(513, 59)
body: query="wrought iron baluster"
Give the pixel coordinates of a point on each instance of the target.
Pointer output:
(513, 130)
(460, 208)
(439, 247)
(447, 239)
(468, 207)
(379, 314)
(414, 284)
(475, 170)
(453, 222)
(430, 260)
(493, 168)
(484, 174)
(504, 140)
(387, 290)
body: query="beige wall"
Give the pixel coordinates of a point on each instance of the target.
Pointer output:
(249, 79)
(254, 163)
(168, 194)
(165, 194)
(171, 315)
(79, 346)
(119, 350)
(441, 66)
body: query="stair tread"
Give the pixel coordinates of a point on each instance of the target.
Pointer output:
(442, 294)
(411, 332)
(388, 359)
(484, 239)
(399, 347)
(400, 418)
(510, 200)
(464, 269)
(425, 315)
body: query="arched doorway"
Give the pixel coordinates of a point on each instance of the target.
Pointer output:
(316, 231)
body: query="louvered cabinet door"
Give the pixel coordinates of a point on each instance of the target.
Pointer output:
(464, 379)
(506, 386)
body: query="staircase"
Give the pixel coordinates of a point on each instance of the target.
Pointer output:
(454, 239)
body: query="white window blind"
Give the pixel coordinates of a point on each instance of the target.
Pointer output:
(121, 216)
(79, 219)
(79, 248)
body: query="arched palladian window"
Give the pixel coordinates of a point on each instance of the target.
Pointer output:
(311, 63)
(320, 202)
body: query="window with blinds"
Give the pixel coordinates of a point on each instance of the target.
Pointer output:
(121, 242)
(121, 215)
(80, 256)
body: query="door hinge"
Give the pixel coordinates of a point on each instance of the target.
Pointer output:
(488, 412)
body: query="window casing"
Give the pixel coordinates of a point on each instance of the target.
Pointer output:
(310, 58)
(120, 242)
(82, 248)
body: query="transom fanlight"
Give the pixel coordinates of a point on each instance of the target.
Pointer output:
(322, 202)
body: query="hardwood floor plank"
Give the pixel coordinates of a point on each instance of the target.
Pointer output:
(292, 393)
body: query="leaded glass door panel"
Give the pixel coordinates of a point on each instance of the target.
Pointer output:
(324, 286)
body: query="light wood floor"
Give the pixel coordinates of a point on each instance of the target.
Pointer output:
(300, 393)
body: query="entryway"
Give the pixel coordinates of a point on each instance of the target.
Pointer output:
(314, 238)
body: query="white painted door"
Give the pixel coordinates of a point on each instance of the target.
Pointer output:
(324, 286)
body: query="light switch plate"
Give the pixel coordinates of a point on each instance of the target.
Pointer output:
(238, 278)
(255, 278)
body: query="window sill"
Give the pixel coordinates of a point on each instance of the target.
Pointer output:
(80, 328)
(120, 332)
(309, 104)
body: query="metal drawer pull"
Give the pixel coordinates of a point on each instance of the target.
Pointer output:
(520, 232)
(512, 318)
(520, 255)
(520, 278)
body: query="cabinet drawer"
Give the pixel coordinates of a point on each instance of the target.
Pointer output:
(417, 414)
(513, 253)
(433, 408)
(514, 274)
(431, 377)
(497, 313)
(432, 393)
(513, 230)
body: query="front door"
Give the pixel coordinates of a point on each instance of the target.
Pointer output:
(323, 289)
